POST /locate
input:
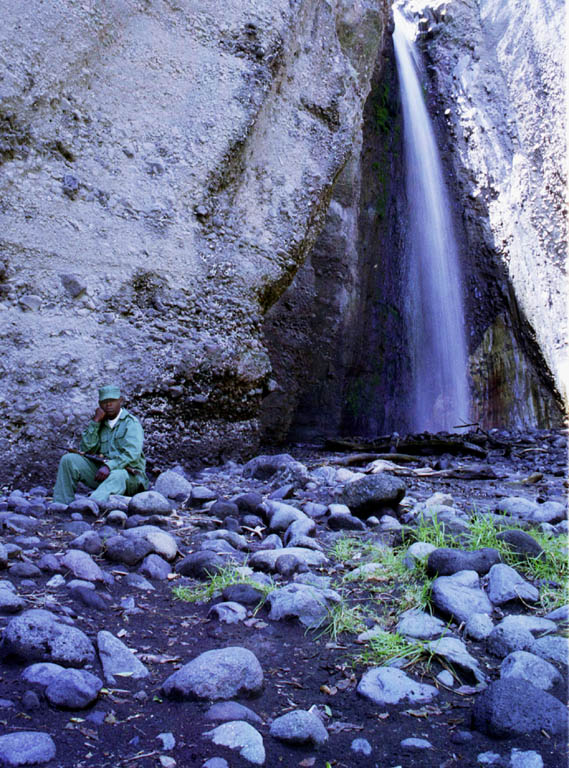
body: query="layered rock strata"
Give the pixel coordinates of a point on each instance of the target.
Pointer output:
(165, 171)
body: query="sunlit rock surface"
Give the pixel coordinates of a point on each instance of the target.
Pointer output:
(166, 168)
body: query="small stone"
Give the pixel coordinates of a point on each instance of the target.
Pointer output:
(413, 743)
(168, 740)
(529, 759)
(361, 747)
(387, 685)
(299, 727)
(118, 659)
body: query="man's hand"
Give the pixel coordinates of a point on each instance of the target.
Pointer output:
(102, 474)
(99, 414)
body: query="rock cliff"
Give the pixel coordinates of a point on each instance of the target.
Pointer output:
(498, 71)
(494, 82)
(166, 168)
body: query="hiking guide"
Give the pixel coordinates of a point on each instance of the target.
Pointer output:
(111, 460)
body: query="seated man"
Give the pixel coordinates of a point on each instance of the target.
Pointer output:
(115, 437)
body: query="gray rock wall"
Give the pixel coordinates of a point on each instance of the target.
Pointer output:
(165, 170)
(498, 69)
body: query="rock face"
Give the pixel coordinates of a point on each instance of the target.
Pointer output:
(148, 216)
(498, 72)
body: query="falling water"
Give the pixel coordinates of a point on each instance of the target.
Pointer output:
(435, 312)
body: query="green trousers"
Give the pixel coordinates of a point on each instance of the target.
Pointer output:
(74, 468)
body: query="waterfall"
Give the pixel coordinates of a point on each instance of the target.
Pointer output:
(434, 300)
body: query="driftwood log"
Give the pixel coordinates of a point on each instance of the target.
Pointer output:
(424, 444)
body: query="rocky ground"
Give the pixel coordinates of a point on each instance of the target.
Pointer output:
(327, 610)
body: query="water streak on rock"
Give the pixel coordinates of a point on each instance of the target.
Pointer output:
(434, 302)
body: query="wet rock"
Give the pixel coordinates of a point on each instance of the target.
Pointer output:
(308, 604)
(454, 651)
(130, 551)
(515, 707)
(43, 673)
(201, 495)
(299, 727)
(421, 626)
(26, 748)
(282, 515)
(231, 710)
(505, 584)
(89, 542)
(201, 565)
(138, 581)
(228, 612)
(155, 567)
(559, 614)
(266, 467)
(218, 674)
(367, 495)
(446, 562)
(89, 598)
(173, 485)
(299, 529)
(149, 503)
(414, 743)
(10, 601)
(73, 689)
(84, 506)
(518, 506)
(82, 565)
(314, 510)
(479, 626)
(118, 659)
(533, 669)
(460, 595)
(552, 648)
(249, 503)
(223, 509)
(534, 624)
(361, 747)
(529, 759)
(340, 522)
(37, 635)
(242, 736)
(520, 543)
(387, 685)
(503, 640)
(246, 594)
(24, 570)
(266, 559)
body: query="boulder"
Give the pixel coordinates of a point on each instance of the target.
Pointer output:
(513, 707)
(299, 727)
(219, 674)
(37, 635)
(460, 595)
(366, 496)
(445, 562)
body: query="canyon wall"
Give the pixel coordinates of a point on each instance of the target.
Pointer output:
(166, 168)
(494, 83)
(498, 76)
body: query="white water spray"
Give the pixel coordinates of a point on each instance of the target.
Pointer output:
(435, 308)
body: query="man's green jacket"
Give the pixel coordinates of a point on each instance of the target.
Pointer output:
(121, 446)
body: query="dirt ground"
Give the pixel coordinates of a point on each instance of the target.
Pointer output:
(301, 669)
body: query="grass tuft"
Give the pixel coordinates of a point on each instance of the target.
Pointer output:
(217, 582)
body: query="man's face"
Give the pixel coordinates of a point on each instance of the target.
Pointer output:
(111, 408)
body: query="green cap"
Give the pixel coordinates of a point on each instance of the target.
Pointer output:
(109, 392)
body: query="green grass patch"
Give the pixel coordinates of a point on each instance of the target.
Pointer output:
(343, 618)
(388, 647)
(204, 591)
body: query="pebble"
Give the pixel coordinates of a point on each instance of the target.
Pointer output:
(413, 743)
(361, 747)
